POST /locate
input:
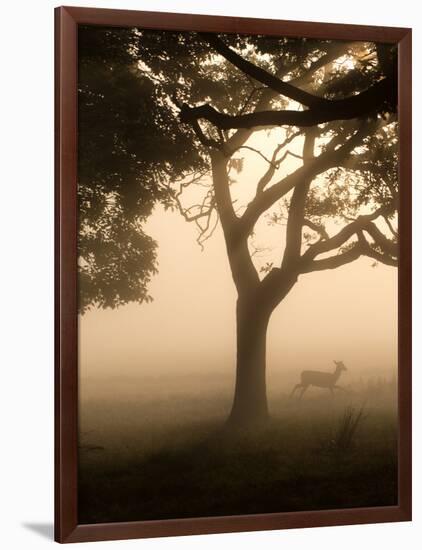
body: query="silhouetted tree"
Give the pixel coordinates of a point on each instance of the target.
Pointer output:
(197, 99)
(129, 144)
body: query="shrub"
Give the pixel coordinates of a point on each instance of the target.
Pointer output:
(345, 434)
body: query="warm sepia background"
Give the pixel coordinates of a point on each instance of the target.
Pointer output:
(156, 379)
(347, 314)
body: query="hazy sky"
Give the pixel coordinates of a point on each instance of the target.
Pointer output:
(347, 314)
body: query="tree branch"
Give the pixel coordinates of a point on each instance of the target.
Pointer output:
(204, 231)
(382, 258)
(362, 247)
(261, 75)
(373, 100)
(243, 270)
(271, 162)
(297, 207)
(274, 164)
(390, 226)
(268, 175)
(333, 51)
(318, 228)
(361, 223)
(306, 172)
(204, 210)
(334, 261)
(355, 252)
(208, 142)
(388, 246)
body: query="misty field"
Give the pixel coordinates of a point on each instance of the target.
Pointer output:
(158, 449)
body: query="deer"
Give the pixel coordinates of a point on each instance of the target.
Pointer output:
(320, 379)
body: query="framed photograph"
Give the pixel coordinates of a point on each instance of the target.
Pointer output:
(233, 274)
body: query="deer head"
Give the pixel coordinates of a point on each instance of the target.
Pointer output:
(340, 366)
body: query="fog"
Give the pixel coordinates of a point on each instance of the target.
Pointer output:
(156, 379)
(347, 314)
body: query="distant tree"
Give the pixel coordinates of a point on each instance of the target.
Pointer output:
(197, 100)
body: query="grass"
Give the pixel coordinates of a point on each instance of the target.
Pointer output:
(344, 439)
(143, 457)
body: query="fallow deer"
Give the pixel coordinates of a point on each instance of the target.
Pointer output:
(320, 379)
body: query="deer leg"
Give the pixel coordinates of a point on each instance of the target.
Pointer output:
(331, 390)
(294, 389)
(303, 391)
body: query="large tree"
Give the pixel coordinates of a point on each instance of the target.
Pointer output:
(130, 143)
(207, 96)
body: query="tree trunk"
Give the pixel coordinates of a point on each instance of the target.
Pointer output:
(250, 396)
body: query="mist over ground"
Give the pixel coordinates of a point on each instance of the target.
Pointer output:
(157, 381)
(348, 314)
(144, 444)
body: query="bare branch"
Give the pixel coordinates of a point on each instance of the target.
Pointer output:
(365, 223)
(341, 237)
(386, 245)
(268, 175)
(274, 163)
(318, 228)
(271, 162)
(305, 173)
(195, 217)
(334, 261)
(204, 231)
(195, 177)
(349, 256)
(390, 226)
(208, 142)
(297, 206)
(204, 208)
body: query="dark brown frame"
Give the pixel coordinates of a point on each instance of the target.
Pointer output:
(66, 333)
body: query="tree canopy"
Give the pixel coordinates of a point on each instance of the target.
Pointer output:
(130, 144)
(164, 117)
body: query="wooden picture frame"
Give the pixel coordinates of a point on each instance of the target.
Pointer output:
(67, 528)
